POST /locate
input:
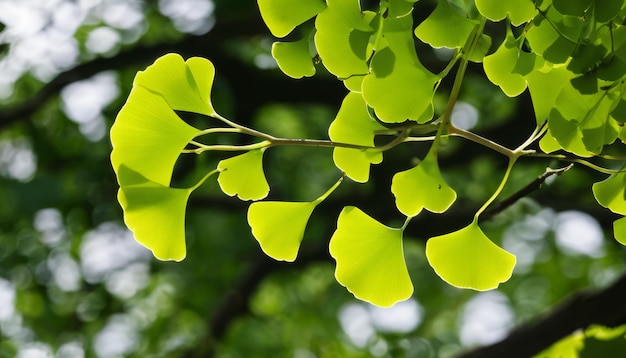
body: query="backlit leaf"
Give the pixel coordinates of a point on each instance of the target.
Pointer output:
(186, 86)
(399, 8)
(155, 213)
(611, 193)
(518, 11)
(499, 67)
(370, 259)
(555, 45)
(243, 176)
(353, 125)
(468, 259)
(445, 27)
(422, 187)
(294, 58)
(282, 16)
(544, 85)
(279, 226)
(148, 136)
(619, 230)
(399, 87)
(342, 38)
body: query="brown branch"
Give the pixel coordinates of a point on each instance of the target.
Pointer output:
(603, 307)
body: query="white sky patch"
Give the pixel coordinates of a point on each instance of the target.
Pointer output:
(84, 101)
(108, 248)
(126, 282)
(190, 16)
(7, 299)
(102, 40)
(49, 222)
(403, 317)
(578, 233)
(524, 238)
(356, 323)
(464, 115)
(17, 160)
(65, 271)
(486, 318)
(118, 338)
(35, 350)
(122, 14)
(71, 350)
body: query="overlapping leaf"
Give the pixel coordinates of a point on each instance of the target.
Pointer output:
(343, 38)
(518, 11)
(422, 187)
(370, 259)
(399, 8)
(468, 259)
(499, 67)
(282, 16)
(353, 125)
(185, 86)
(445, 27)
(148, 136)
(243, 176)
(399, 87)
(619, 230)
(611, 193)
(602, 10)
(554, 37)
(294, 58)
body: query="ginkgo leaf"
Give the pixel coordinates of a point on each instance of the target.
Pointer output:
(243, 176)
(422, 187)
(282, 16)
(370, 259)
(148, 136)
(399, 87)
(611, 193)
(186, 86)
(279, 226)
(353, 125)
(294, 58)
(554, 39)
(343, 38)
(155, 213)
(399, 8)
(544, 86)
(518, 11)
(499, 67)
(468, 259)
(445, 27)
(619, 230)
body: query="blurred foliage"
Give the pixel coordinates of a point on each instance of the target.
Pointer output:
(73, 283)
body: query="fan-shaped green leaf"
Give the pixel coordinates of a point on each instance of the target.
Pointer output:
(468, 259)
(555, 39)
(572, 7)
(148, 136)
(603, 10)
(243, 176)
(445, 27)
(611, 193)
(343, 38)
(370, 259)
(186, 86)
(294, 58)
(544, 85)
(518, 11)
(499, 67)
(607, 10)
(422, 187)
(282, 16)
(353, 125)
(279, 226)
(619, 230)
(154, 213)
(399, 88)
(399, 8)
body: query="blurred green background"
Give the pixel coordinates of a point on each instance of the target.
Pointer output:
(74, 283)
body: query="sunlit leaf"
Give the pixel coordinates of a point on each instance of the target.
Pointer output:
(294, 58)
(499, 67)
(279, 226)
(353, 125)
(370, 259)
(555, 39)
(186, 86)
(468, 259)
(445, 27)
(619, 230)
(422, 187)
(148, 136)
(243, 176)
(399, 8)
(544, 86)
(399, 87)
(282, 16)
(518, 11)
(611, 193)
(342, 38)
(155, 213)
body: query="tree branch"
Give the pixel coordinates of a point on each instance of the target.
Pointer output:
(604, 307)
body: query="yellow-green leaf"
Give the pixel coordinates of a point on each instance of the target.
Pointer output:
(294, 58)
(619, 230)
(611, 193)
(243, 176)
(282, 16)
(468, 259)
(370, 259)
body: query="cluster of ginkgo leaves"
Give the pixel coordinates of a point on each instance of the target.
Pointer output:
(570, 54)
